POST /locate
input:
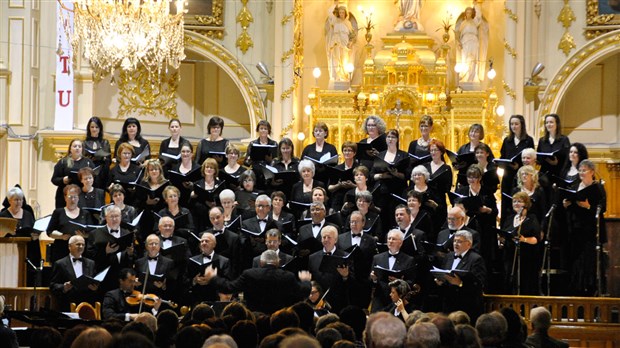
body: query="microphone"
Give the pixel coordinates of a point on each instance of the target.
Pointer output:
(598, 211)
(41, 265)
(551, 210)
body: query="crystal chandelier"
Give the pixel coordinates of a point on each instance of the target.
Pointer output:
(127, 34)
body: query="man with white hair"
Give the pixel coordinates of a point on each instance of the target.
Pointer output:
(540, 319)
(66, 270)
(388, 332)
(253, 238)
(454, 289)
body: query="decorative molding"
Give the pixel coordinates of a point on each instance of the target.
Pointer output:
(511, 14)
(297, 50)
(511, 51)
(286, 55)
(231, 65)
(288, 128)
(603, 46)
(511, 92)
(599, 23)
(566, 17)
(244, 41)
(211, 25)
(538, 8)
(139, 95)
(567, 43)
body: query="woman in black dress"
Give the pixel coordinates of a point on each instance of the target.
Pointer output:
(285, 160)
(302, 190)
(171, 146)
(476, 134)
(361, 179)
(525, 230)
(553, 142)
(375, 128)
(264, 131)
(60, 227)
(65, 170)
(150, 201)
(183, 220)
(125, 172)
(213, 146)
(320, 149)
(339, 186)
(90, 197)
(421, 219)
(516, 141)
(185, 166)
(484, 157)
(286, 219)
(527, 181)
(246, 193)
(131, 134)
(584, 215)
(439, 182)
(25, 221)
(231, 172)
(128, 212)
(98, 150)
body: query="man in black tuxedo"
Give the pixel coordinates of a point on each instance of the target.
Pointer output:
(395, 260)
(267, 288)
(228, 242)
(198, 286)
(463, 292)
(160, 269)
(103, 248)
(273, 240)
(114, 304)
(68, 269)
(340, 283)
(254, 228)
(313, 229)
(402, 215)
(456, 222)
(175, 248)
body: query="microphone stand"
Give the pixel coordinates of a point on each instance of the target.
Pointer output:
(516, 260)
(599, 250)
(34, 304)
(547, 252)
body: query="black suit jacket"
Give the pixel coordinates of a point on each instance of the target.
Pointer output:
(340, 289)
(368, 248)
(266, 289)
(467, 298)
(199, 293)
(540, 340)
(115, 307)
(164, 266)
(62, 271)
(253, 245)
(446, 236)
(305, 231)
(382, 290)
(229, 245)
(97, 242)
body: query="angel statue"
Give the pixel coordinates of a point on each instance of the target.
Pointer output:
(340, 37)
(472, 37)
(409, 16)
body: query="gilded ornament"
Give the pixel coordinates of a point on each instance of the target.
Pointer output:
(538, 8)
(595, 21)
(244, 41)
(297, 50)
(567, 43)
(511, 92)
(212, 25)
(511, 14)
(139, 95)
(566, 16)
(511, 51)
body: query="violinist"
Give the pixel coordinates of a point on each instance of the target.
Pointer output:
(115, 305)
(316, 299)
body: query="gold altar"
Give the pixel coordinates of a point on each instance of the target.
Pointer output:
(404, 80)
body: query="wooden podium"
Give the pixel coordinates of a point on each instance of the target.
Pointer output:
(13, 251)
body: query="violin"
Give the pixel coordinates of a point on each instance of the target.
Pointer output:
(147, 299)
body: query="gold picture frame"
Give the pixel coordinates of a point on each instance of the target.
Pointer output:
(601, 17)
(206, 17)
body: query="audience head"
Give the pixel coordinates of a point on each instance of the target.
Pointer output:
(202, 312)
(305, 313)
(467, 336)
(220, 341)
(447, 333)
(328, 336)
(423, 335)
(147, 319)
(325, 320)
(140, 328)
(299, 341)
(45, 337)
(283, 318)
(491, 329)
(388, 332)
(540, 319)
(516, 329)
(355, 317)
(244, 333)
(459, 317)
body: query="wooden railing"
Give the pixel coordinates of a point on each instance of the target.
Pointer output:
(19, 299)
(579, 321)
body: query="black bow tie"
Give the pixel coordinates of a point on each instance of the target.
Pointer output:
(207, 256)
(356, 235)
(114, 231)
(262, 220)
(457, 256)
(153, 258)
(393, 255)
(166, 238)
(76, 259)
(403, 230)
(329, 253)
(217, 231)
(316, 225)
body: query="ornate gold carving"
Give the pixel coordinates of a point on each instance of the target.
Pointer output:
(566, 16)
(511, 51)
(288, 128)
(242, 74)
(510, 14)
(564, 76)
(139, 95)
(211, 25)
(567, 43)
(598, 24)
(537, 8)
(511, 92)
(244, 41)
(297, 49)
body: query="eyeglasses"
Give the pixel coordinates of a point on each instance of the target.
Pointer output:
(73, 197)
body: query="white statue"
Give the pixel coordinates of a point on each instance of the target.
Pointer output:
(409, 17)
(472, 37)
(340, 36)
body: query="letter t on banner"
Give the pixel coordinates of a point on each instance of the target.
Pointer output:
(64, 95)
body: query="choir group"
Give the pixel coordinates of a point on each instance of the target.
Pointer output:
(381, 227)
